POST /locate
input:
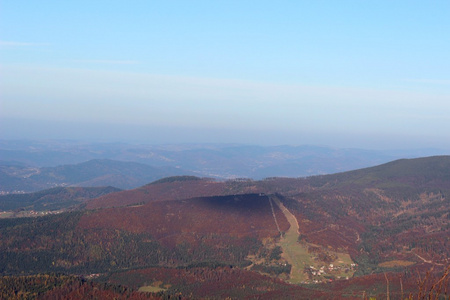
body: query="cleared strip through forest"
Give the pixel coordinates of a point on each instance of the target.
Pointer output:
(296, 255)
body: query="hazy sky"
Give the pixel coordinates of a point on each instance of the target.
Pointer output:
(368, 74)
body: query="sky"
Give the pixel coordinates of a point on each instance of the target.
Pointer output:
(364, 74)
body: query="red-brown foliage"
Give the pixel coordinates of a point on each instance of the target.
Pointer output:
(218, 283)
(91, 290)
(160, 192)
(173, 222)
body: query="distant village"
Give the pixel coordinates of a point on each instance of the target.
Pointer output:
(11, 192)
(28, 213)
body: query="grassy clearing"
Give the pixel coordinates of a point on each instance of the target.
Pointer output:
(154, 288)
(150, 289)
(395, 263)
(297, 255)
(294, 252)
(6, 214)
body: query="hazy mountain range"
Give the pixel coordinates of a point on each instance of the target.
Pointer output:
(36, 165)
(93, 173)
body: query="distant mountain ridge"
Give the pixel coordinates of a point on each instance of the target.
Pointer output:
(423, 171)
(426, 171)
(222, 161)
(93, 173)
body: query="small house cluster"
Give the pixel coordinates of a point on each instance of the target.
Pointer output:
(329, 272)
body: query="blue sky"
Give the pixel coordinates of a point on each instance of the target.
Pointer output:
(341, 73)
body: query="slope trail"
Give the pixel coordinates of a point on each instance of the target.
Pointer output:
(294, 254)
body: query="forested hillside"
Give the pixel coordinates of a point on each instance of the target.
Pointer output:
(53, 199)
(357, 231)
